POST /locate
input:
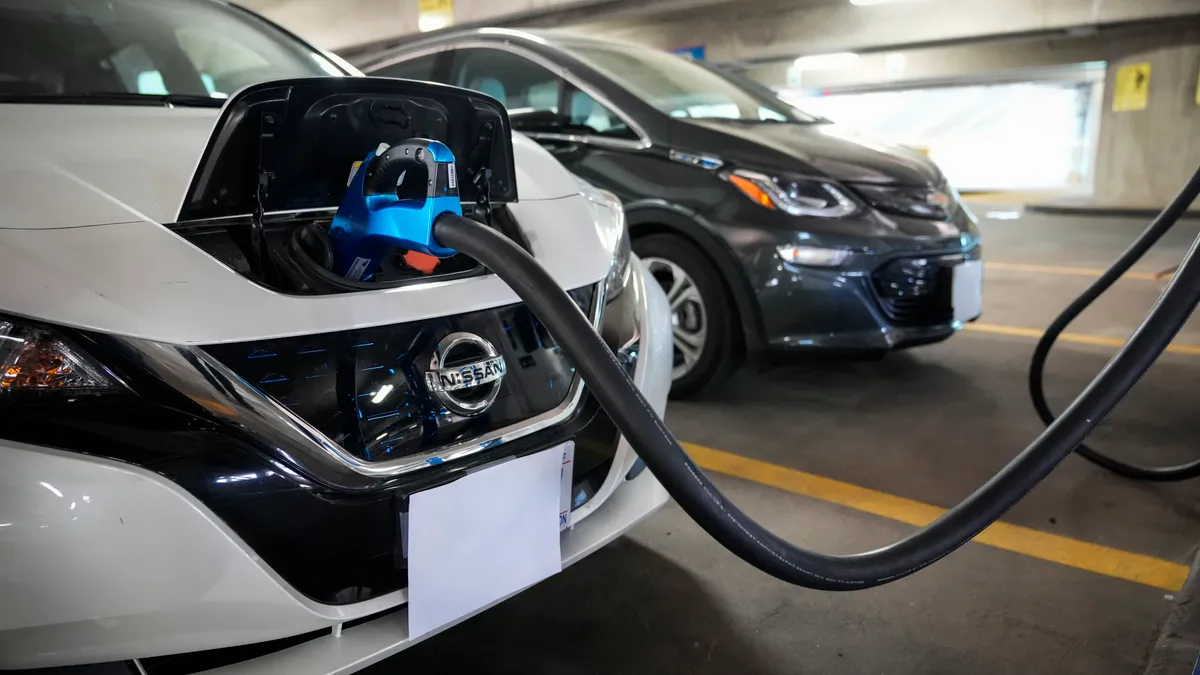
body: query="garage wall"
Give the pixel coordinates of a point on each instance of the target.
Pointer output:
(330, 26)
(729, 29)
(1145, 156)
(932, 64)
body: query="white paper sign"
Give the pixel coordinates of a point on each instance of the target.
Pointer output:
(483, 537)
(967, 294)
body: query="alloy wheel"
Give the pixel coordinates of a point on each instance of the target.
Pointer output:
(689, 320)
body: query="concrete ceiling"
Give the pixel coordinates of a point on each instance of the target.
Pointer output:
(731, 30)
(766, 31)
(350, 25)
(338, 24)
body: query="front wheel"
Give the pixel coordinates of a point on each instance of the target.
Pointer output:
(701, 321)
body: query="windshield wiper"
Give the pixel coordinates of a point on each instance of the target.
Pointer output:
(117, 98)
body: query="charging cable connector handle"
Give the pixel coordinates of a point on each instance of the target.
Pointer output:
(392, 200)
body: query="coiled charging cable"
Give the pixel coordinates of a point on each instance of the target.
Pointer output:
(724, 521)
(1037, 366)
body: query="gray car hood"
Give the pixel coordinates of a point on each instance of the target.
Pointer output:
(827, 149)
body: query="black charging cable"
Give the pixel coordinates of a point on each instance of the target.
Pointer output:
(1037, 366)
(724, 521)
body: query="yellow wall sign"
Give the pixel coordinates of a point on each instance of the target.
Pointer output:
(1132, 89)
(434, 14)
(435, 6)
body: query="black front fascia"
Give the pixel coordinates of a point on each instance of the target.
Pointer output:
(333, 547)
(917, 290)
(364, 389)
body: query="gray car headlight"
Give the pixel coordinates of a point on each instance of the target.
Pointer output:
(795, 195)
(918, 202)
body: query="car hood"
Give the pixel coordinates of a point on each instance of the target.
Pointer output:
(84, 194)
(824, 149)
(74, 165)
(67, 166)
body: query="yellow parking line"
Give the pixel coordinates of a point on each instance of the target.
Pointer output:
(1135, 567)
(1078, 338)
(1071, 271)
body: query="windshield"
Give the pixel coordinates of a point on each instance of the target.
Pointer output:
(125, 50)
(683, 88)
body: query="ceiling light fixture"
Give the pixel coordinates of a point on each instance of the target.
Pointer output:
(835, 61)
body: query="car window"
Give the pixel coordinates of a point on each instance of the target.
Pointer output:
(533, 94)
(62, 48)
(520, 84)
(683, 88)
(137, 70)
(420, 68)
(585, 111)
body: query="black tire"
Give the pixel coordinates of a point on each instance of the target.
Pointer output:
(717, 356)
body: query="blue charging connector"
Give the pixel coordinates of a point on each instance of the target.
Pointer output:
(392, 199)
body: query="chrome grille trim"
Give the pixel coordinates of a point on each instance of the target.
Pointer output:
(296, 443)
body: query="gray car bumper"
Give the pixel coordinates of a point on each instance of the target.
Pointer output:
(866, 305)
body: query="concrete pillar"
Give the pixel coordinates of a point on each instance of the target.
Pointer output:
(1145, 156)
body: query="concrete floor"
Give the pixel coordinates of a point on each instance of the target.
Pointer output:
(931, 425)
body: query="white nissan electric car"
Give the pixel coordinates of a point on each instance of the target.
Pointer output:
(216, 451)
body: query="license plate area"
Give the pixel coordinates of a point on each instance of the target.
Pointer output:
(485, 536)
(967, 295)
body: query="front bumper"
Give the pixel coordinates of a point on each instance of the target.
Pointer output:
(102, 561)
(842, 309)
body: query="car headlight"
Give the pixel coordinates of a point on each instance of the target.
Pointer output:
(614, 234)
(618, 274)
(35, 360)
(794, 195)
(918, 202)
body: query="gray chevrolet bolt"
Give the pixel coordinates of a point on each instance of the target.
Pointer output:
(773, 232)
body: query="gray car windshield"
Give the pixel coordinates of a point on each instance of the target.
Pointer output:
(682, 88)
(190, 52)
